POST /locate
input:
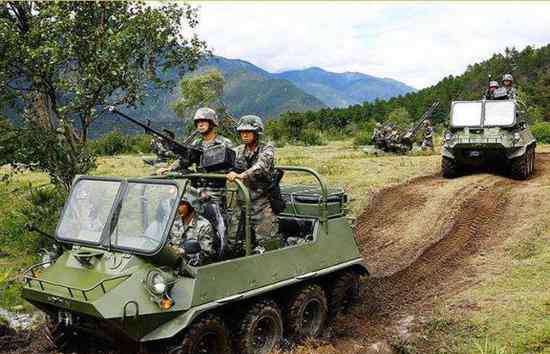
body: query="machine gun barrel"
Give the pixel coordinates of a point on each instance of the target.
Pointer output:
(176, 147)
(191, 153)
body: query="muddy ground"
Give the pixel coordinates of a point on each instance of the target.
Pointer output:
(423, 241)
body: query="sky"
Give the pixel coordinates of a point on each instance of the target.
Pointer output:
(418, 43)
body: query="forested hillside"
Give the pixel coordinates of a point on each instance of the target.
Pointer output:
(530, 68)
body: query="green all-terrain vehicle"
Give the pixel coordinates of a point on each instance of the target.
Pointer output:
(488, 132)
(117, 279)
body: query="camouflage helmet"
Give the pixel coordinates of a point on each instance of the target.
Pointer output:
(508, 77)
(190, 200)
(250, 123)
(207, 114)
(493, 84)
(378, 125)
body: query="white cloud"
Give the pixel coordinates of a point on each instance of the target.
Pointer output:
(417, 43)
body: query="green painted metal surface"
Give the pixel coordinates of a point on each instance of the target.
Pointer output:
(106, 285)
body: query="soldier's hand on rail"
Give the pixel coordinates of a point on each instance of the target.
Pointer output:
(232, 176)
(163, 170)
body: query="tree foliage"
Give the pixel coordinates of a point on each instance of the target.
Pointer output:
(205, 89)
(61, 63)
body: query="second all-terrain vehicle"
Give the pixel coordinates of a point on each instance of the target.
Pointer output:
(488, 132)
(117, 279)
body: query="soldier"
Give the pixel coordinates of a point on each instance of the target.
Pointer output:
(428, 141)
(493, 85)
(206, 121)
(189, 225)
(255, 166)
(508, 84)
(378, 135)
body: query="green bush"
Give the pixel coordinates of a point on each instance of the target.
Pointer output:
(541, 131)
(312, 137)
(363, 137)
(364, 134)
(116, 143)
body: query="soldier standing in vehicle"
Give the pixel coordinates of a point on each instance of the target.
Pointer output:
(255, 166)
(508, 84)
(428, 141)
(189, 225)
(493, 85)
(206, 122)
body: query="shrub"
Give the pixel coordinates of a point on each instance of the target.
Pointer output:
(116, 143)
(541, 131)
(363, 137)
(312, 137)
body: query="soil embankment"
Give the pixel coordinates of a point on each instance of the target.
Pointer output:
(421, 240)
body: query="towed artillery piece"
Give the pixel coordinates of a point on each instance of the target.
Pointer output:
(402, 142)
(117, 279)
(488, 132)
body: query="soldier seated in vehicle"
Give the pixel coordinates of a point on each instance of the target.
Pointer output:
(189, 225)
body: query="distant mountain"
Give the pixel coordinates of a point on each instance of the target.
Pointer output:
(344, 89)
(252, 90)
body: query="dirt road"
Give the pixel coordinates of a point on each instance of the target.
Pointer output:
(424, 241)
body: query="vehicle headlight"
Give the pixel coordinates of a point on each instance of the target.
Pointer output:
(517, 137)
(159, 284)
(448, 136)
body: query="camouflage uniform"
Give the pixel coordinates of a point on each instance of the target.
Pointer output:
(512, 93)
(200, 230)
(510, 90)
(258, 168)
(378, 136)
(428, 141)
(181, 166)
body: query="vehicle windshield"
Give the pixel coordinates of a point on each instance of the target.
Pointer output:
(143, 216)
(500, 113)
(128, 215)
(88, 210)
(470, 114)
(466, 114)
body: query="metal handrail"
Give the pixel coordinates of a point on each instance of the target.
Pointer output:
(324, 190)
(41, 282)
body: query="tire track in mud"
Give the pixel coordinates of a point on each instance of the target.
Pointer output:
(429, 274)
(467, 225)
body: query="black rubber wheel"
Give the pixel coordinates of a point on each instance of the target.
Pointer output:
(344, 292)
(533, 160)
(520, 166)
(61, 337)
(449, 167)
(261, 328)
(208, 335)
(307, 311)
